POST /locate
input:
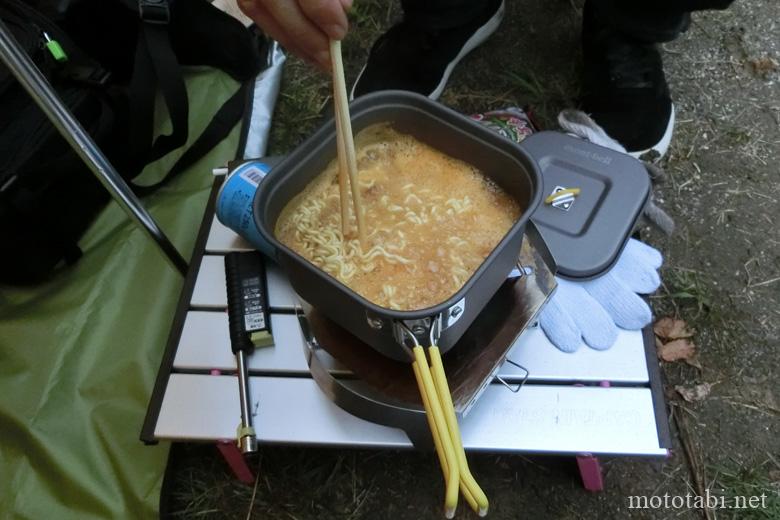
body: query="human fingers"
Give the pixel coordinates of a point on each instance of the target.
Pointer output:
(285, 22)
(329, 15)
(268, 24)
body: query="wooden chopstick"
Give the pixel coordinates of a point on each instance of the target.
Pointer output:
(343, 174)
(347, 148)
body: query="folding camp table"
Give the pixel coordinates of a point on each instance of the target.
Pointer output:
(583, 404)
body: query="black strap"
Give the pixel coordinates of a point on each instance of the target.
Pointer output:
(228, 115)
(156, 65)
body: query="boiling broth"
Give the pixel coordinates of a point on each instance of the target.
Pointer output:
(432, 220)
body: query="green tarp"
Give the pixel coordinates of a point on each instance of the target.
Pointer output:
(78, 355)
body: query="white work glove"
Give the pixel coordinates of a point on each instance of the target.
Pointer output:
(591, 311)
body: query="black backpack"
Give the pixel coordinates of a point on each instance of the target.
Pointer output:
(117, 53)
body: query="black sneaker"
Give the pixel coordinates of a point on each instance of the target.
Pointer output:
(624, 88)
(410, 57)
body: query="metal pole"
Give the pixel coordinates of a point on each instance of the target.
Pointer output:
(25, 71)
(247, 440)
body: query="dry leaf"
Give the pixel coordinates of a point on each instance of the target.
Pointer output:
(671, 328)
(694, 393)
(764, 65)
(694, 361)
(676, 350)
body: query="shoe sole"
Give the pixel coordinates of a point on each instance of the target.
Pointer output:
(662, 146)
(479, 37)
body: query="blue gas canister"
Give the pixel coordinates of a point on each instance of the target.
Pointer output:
(234, 203)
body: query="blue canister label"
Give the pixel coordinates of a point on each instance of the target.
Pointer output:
(234, 203)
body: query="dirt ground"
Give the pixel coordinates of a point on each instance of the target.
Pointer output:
(721, 275)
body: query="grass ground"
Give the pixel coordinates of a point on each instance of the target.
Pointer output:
(721, 275)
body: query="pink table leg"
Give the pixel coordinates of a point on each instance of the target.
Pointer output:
(590, 471)
(236, 461)
(233, 455)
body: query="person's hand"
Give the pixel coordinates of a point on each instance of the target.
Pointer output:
(304, 27)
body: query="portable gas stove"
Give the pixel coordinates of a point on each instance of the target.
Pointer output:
(516, 393)
(381, 390)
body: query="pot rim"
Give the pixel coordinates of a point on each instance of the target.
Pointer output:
(412, 100)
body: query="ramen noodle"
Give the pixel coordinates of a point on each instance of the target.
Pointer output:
(431, 219)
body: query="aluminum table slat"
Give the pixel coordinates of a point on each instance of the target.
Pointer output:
(205, 345)
(222, 239)
(540, 419)
(623, 363)
(209, 292)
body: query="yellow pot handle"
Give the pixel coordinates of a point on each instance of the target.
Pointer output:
(439, 430)
(467, 482)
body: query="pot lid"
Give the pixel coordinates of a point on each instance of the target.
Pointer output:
(592, 198)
